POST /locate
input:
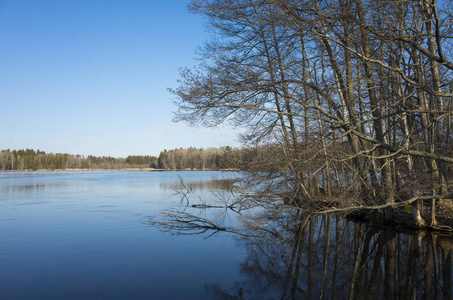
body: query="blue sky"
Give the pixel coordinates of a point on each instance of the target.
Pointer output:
(91, 76)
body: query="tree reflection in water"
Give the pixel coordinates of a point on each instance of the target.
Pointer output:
(327, 257)
(291, 255)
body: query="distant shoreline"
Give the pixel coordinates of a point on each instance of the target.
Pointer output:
(122, 169)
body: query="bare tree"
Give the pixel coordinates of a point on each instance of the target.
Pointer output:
(354, 95)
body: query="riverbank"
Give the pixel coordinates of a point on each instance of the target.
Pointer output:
(401, 217)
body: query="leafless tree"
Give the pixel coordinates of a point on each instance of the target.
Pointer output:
(354, 95)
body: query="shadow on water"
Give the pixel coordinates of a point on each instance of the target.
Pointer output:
(329, 258)
(210, 185)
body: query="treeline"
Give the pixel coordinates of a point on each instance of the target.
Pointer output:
(201, 159)
(140, 160)
(177, 159)
(30, 159)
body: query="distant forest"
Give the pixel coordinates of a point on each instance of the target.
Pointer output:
(177, 159)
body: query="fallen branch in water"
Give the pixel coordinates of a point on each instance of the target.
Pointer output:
(214, 206)
(188, 221)
(187, 224)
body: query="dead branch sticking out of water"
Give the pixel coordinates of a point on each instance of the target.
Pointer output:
(184, 191)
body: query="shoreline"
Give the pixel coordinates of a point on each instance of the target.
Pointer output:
(122, 169)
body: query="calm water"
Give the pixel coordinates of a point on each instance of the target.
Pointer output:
(71, 235)
(90, 235)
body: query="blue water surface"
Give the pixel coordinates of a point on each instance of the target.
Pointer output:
(86, 235)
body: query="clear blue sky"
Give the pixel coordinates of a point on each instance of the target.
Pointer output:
(91, 76)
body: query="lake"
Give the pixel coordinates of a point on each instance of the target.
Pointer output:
(93, 235)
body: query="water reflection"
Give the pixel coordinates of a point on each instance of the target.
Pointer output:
(199, 185)
(83, 240)
(86, 241)
(293, 256)
(27, 187)
(329, 258)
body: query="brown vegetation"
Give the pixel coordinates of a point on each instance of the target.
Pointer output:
(347, 99)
